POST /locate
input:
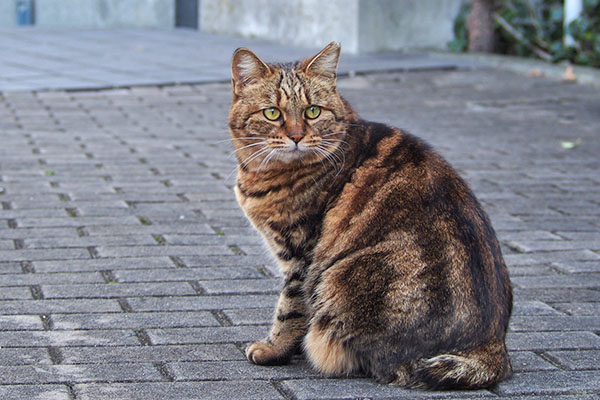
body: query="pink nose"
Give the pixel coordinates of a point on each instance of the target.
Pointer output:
(296, 136)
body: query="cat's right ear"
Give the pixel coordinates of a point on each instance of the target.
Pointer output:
(246, 68)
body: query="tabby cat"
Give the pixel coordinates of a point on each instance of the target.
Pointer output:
(391, 266)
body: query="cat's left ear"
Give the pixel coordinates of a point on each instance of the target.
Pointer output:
(246, 68)
(325, 63)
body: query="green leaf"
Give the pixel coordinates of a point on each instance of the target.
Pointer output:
(49, 172)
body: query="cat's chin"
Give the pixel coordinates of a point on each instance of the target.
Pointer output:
(290, 155)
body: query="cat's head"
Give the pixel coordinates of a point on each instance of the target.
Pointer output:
(286, 113)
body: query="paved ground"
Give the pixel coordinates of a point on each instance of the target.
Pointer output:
(46, 58)
(127, 270)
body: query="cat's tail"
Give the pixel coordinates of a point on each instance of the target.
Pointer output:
(479, 368)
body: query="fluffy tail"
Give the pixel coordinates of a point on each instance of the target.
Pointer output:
(477, 369)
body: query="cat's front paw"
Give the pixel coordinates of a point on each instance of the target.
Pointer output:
(264, 353)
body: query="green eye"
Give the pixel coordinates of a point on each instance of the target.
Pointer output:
(272, 114)
(312, 112)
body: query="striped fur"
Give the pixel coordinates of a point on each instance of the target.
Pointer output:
(391, 266)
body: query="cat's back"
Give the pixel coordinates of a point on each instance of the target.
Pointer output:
(394, 181)
(405, 212)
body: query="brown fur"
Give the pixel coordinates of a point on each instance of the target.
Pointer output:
(391, 266)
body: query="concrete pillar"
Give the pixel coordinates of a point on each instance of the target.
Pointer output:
(360, 25)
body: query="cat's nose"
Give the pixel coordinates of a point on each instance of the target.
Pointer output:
(296, 136)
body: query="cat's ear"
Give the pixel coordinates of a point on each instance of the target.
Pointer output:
(246, 68)
(325, 63)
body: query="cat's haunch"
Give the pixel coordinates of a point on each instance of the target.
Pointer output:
(391, 265)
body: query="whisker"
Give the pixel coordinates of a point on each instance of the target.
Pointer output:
(265, 161)
(341, 158)
(247, 146)
(326, 155)
(333, 133)
(254, 156)
(232, 139)
(248, 160)
(333, 140)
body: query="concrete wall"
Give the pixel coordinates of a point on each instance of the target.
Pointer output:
(105, 13)
(360, 25)
(305, 23)
(406, 24)
(7, 13)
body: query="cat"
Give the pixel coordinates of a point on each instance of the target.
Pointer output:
(391, 267)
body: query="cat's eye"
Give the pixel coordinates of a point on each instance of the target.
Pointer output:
(312, 112)
(272, 114)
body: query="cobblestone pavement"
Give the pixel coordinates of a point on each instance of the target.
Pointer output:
(128, 271)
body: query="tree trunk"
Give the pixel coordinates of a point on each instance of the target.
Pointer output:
(480, 24)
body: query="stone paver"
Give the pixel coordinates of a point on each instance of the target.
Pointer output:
(128, 272)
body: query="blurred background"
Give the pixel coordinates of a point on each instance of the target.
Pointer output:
(552, 30)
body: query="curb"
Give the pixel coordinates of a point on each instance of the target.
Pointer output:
(532, 67)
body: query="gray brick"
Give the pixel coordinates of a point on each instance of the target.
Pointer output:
(35, 213)
(12, 293)
(38, 233)
(238, 370)
(522, 307)
(579, 396)
(81, 373)
(197, 303)
(256, 390)
(10, 268)
(531, 270)
(577, 359)
(549, 257)
(145, 251)
(43, 254)
(578, 266)
(577, 235)
(186, 274)
(551, 340)
(208, 335)
(226, 261)
(24, 356)
(41, 278)
(258, 286)
(117, 290)
(250, 316)
(527, 235)
(20, 322)
(560, 281)
(331, 389)
(213, 239)
(529, 361)
(551, 382)
(133, 320)
(557, 295)
(151, 354)
(579, 308)
(46, 392)
(103, 264)
(39, 307)
(7, 244)
(67, 338)
(555, 323)
(74, 222)
(528, 246)
(174, 227)
(129, 240)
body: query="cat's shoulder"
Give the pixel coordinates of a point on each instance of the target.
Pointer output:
(381, 140)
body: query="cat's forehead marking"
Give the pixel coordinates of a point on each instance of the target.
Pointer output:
(292, 88)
